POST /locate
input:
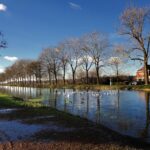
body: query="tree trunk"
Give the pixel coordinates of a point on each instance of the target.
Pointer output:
(49, 77)
(146, 76)
(30, 80)
(55, 75)
(97, 74)
(36, 81)
(87, 76)
(73, 77)
(40, 81)
(117, 73)
(64, 79)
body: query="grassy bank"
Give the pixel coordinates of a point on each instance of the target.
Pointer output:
(104, 87)
(8, 101)
(96, 87)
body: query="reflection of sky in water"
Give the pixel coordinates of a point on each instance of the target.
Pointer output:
(18, 130)
(14, 130)
(123, 111)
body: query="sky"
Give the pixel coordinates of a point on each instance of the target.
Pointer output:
(31, 25)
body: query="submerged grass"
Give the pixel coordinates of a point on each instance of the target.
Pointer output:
(34, 107)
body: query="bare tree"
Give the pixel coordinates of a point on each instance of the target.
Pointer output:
(3, 78)
(63, 56)
(115, 62)
(45, 58)
(97, 44)
(36, 71)
(135, 24)
(9, 75)
(50, 59)
(30, 71)
(74, 54)
(16, 73)
(86, 59)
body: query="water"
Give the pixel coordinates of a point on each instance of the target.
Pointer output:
(18, 129)
(15, 130)
(126, 112)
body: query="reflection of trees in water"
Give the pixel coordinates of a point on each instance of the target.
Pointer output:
(74, 100)
(124, 122)
(67, 100)
(145, 132)
(87, 103)
(55, 98)
(65, 104)
(98, 96)
(38, 92)
(118, 102)
(52, 97)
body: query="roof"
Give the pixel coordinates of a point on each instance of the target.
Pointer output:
(142, 69)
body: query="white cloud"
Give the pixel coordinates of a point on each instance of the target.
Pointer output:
(74, 6)
(11, 58)
(3, 7)
(2, 70)
(87, 58)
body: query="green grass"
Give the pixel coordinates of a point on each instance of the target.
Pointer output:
(8, 101)
(35, 100)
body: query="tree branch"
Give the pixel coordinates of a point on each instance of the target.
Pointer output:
(140, 59)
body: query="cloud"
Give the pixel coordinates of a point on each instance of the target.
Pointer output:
(114, 60)
(3, 7)
(11, 58)
(75, 6)
(86, 58)
(2, 70)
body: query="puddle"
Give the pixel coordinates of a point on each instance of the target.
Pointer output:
(8, 110)
(14, 130)
(41, 117)
(17, 130)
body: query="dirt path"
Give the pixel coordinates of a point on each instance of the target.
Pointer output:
(60, 146)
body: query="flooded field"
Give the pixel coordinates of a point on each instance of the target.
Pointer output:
(25, 128)
(126, 112)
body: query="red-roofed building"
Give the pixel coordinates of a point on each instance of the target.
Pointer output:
(140, 74)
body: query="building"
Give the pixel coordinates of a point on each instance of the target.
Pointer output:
(140, 74)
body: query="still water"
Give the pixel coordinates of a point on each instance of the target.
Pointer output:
(126, 112)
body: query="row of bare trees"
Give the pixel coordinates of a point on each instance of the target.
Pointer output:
(87, 53)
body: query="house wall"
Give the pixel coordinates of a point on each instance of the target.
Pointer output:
(140, 75)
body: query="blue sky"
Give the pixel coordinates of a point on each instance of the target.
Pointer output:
(30, 25)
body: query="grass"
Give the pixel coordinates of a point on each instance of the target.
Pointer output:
(91, 86)
(107, 87)
(9, 101)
